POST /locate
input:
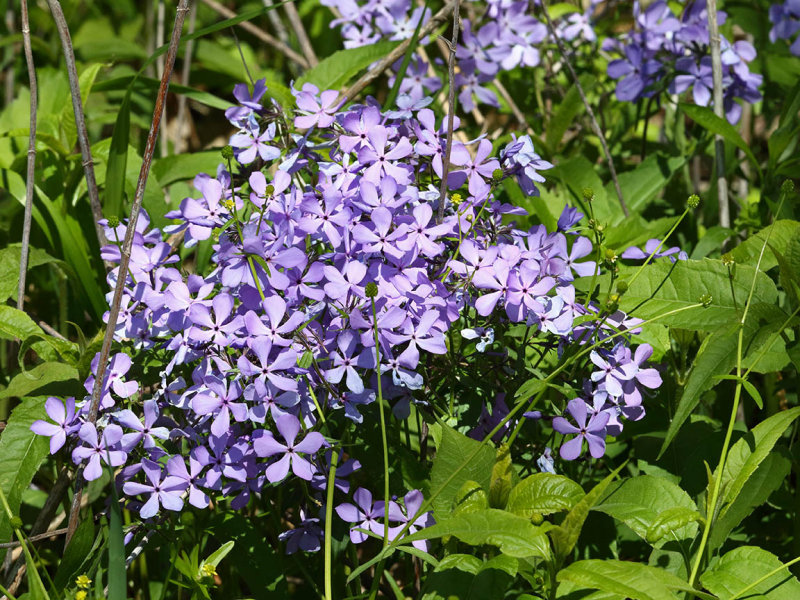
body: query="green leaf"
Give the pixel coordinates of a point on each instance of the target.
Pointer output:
(633, 580)
(514, 536)
(663, 287)
(639, 501)
(578, 173)
(216, 557)
(737, 570)
(118, 161)
(80, 546)
(470, 498)
(543, 494)
(466, 577)
(751, 389)
(336, 70)
(781, 234)
(566, 111)
(565, 536)
(641, 185)
(747, 453)
(705, 117)
(717, 356)
(181, 167)
(670, 523)
(447, 474)
(22, 451)
(767, 478)
(148, 84)
(501, 481)
(9, 267)
(35, 381)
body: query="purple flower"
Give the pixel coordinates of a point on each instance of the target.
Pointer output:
(218, 330)
(650, 248)
(127, 418)
(66, 423)
(594, 432)
(250, 143)
(410, 513)
(316, 109)
(166, 492)
(106, 449)
(363, 514)
(307, 536)
(219, 398)
(176, 467)
(266, 445)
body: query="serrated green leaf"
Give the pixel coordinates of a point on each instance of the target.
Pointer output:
(543, 494)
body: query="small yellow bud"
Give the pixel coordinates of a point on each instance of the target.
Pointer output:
(228, 204)
(727, 259)
(693, 201)
(83, 582)
(80, 595)
(208, 570)
(456, 199)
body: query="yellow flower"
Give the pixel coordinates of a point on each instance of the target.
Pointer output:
(83, 582)
(207, 570)
(80, 595)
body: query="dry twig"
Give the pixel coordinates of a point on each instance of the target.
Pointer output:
(300, 32)
(181, 118)
(80, 120)
(595, 125)
(26, 223)
(127, 244)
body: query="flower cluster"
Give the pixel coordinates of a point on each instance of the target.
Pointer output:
(786, 23)
(667, 52)
(505, 36)
(337, 272)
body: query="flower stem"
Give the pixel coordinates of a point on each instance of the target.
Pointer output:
(329, 525)
(383, 428)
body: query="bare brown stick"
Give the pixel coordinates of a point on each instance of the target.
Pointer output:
(48, 329)
(163, 146)
(719, 144)
(258, 33)
(595, 125)
(127, 244)
(451, 111)
(80, 121)
(277, 24)
(300, 31)
(518, 115)
(368, 77)
(181, 117)
(26, 223)
(36, 538)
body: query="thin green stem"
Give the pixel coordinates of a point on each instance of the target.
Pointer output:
(329, 525)
(658, 248)
(383, 427)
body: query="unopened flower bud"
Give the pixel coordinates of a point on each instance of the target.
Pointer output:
(693, 201)
(371, 290)
(610, 255)
(787, 187)
(622, 287)
(227, 152)
(228, 204)
(497, 174)
(113, 221)
(588, 194)
(270, 190)
(537, 518)
(727, 259)
(613, 302)
(706, 300)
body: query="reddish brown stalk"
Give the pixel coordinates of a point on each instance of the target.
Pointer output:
(26, 223)
(127, 244)
(80, 120)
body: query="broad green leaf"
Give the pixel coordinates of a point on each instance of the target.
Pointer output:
(466, 577)
(565, 536)
(670, 522)
(180, 167)
(566, 111)
(663, 287)
(641, 185)
(543, 494)
(9, 267)
(767, 478)
(639, 501)
(747, 453)
(633, 580)
(737, 570)
(501, 481)
(454, 465)
(22, 451)
(717, 356)
(339, 68)
(705, 117)
(578, 173)
(148, 84)
(80, 546)
(216, 557)
(514, 536)
(470, 498)
(38, 380)
(781, 233)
